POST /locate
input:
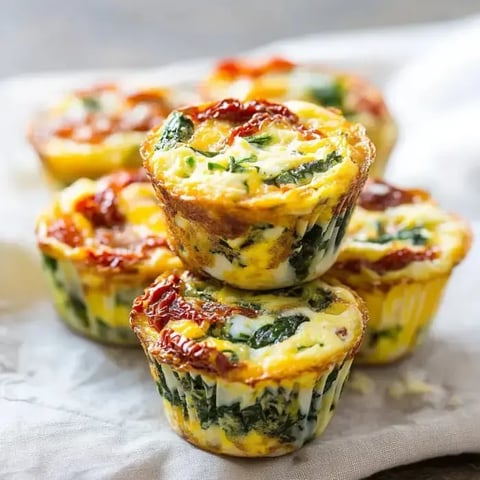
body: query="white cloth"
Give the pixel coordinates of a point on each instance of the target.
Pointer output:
(72, 409)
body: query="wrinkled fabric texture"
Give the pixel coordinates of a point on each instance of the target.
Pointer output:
(70, 408)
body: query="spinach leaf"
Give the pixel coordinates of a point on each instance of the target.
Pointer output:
(292, 292)
(281, 329)
(238, 166)
(216, 166)
(304, 173)
(223, 248)
(328, 95)
(275, 413)
(190, 161)
(232, 356)
(318, 299)
(235, 165)
(391, 333)
(50, 263)
(416, 235)
(261, 140)
(341, 223)
(305, 249)
(205, 153)
(79, 308)
(321, 299)
(252, 305)
(91, 103)
(178, 128)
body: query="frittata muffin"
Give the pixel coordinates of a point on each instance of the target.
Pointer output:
(95, 131)
(102, 243)
(398, 254)
(248, 374)
(281, 80)
(257, 194)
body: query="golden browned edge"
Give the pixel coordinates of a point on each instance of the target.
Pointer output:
(220, 452)
(230, 219)
(137, 319)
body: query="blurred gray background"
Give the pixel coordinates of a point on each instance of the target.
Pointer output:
(39, 35)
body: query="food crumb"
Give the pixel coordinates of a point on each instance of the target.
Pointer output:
(454, 401)
(409, 385)
(361, 383)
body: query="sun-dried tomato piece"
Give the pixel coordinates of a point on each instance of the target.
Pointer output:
(178, 349)
(164, 302)
(379, 195)
(64, 230)
(395, 260)
(249, 117)
(101, 209)
(233, 68)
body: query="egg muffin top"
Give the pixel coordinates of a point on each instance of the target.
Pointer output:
(280, 80)
(113, 225)
(207, 327)
(400, 234)
(258, 154)
(103, 113)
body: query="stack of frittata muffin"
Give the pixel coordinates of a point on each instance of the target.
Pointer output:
(266, 249)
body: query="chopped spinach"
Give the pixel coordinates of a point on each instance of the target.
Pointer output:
(91, 103)
(261, 140)
(190, 161)
(306, 347)
(178, 128)
(238, 165)
(50, 263)
(79, 308)
(232, 356)
(276, 412)
(305, 249)
(205, 153)
(235, 165)
(304, 173)
(223, 248)
(321, 299)
(391, 333)
(216, 166)
(292, 292)
(252, 305)
(318, 393)
(255, 235)
(416, 235)
(328, 94)
(342, 223)
(102, 328)
(281, 329)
